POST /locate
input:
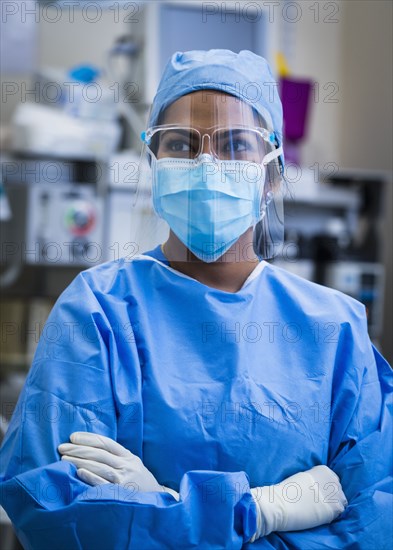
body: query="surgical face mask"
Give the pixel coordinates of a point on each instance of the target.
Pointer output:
(207, 203)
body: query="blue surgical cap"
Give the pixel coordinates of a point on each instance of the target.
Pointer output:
(244, 75)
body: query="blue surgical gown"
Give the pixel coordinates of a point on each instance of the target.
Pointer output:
(216, 392)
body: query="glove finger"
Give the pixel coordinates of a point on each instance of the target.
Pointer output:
(90, 478)
(91, 453)
(63, 447)
(107, 473)
(100, 442)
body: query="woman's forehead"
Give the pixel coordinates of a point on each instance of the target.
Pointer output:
(207, 108)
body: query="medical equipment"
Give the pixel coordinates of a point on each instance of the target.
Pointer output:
(51, 132)
(73, 115)
(127, 93)
(56, 225)
(364, 281)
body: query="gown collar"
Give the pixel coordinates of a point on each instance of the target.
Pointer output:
(158, 256)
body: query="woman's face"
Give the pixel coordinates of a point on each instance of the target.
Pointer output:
(205, 111)
(208, 113)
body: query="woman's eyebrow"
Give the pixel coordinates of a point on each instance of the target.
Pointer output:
(181, 131)
(226, 131)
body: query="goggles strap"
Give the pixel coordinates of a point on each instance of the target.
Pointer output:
(272, 155)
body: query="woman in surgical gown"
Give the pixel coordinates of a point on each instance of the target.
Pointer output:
(221, 372)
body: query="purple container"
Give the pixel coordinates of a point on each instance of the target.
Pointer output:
(295, 97)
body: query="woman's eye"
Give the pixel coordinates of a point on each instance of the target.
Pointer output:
(179, 146)
(236, 145)
(240, 145)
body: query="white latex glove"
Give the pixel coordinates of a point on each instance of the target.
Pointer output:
(302, 501)
(100, 459)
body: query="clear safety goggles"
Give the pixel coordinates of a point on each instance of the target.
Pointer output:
(242, 143)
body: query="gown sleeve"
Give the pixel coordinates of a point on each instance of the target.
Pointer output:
(70, 388)
(360, 450)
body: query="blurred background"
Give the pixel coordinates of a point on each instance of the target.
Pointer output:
(78, 79)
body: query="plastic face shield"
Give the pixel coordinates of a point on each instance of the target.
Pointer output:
(211, 165)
